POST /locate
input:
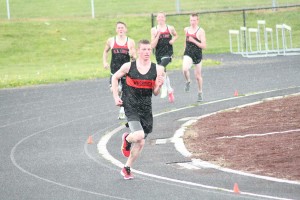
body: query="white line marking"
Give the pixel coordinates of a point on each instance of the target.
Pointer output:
(187, 166)
(103, 151)
(203, 164)
(258, 135)
(12, 157)
(177, 138)
(161, 141)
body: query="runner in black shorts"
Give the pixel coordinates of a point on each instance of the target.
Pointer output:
(195, 42)
(122, 49)
(191, 49)
(143, 79)
(163, 37)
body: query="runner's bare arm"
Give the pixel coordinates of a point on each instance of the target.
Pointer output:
(154, 37)
(184, 45)
(159, 79)
(114, 81)
(174, 34)
(105, 54)
(201, 37)
(132, 51)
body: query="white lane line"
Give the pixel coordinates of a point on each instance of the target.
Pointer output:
(187, 166)
(15, 163)
(21, 121)
(177, 139)
(43, 116)
(179, 145)
(104, 152)
(258, 135)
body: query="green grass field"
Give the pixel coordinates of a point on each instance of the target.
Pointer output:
(67, 8)
(50, 41)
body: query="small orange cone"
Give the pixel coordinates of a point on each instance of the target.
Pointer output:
(236, 93)
(236, 189)
(90, 140)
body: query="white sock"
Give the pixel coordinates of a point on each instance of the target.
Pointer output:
(167, 80)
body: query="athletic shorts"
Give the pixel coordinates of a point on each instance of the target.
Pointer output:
(196, 57)
(164, 61)
(136, 126)
(138, 120)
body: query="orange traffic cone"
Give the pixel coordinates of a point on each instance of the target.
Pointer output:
(90, 140)
(236, 93)
(236, 189)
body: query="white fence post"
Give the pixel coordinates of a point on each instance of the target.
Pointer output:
(177, 6)
(93, 9)
(274, 5)
(8, 9)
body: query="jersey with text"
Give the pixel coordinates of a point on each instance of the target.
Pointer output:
(163, 47)
(191, 49)
(120, 55)
(139, 87)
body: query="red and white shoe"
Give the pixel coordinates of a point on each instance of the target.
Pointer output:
(126, 173)
(171, 96)
(125, 148)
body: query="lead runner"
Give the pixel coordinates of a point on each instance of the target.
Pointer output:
(143, 78)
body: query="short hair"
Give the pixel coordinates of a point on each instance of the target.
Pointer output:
(143, 41)
(164, 14)
(119, 22)
(194, 15)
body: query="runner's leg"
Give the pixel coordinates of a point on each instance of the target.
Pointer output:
(186, 65)
(138, 141)
(198, 75)
(199, 79)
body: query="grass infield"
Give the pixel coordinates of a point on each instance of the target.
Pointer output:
(57, 48)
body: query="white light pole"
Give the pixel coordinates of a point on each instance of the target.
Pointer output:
(93, 9)
(8, 10)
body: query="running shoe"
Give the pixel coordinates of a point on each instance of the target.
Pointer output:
(125, 145)
(126, 173)
(171, 96)
(200, 97)
(187, 86)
